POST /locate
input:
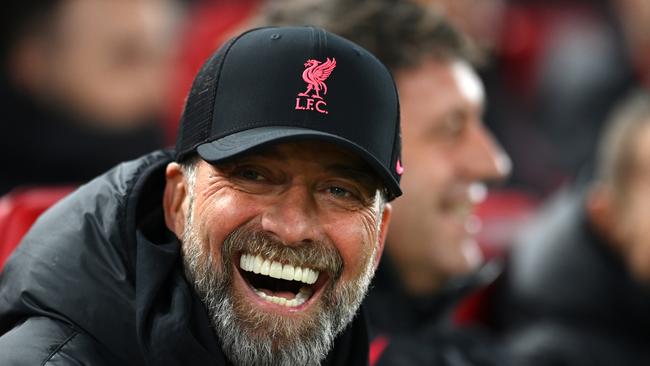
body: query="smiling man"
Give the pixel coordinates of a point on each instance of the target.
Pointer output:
(252, 244)
(292, 261)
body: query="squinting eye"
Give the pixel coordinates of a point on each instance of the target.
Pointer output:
(249, 174)
(339, 192)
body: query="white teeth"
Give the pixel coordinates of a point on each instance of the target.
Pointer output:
(266, 267)
(300, 298)
(243, 262)
(287, 272)
(309, 276)
(259, 265)
(276, 270)
(297, 274)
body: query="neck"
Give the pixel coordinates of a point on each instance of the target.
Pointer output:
(419, 280)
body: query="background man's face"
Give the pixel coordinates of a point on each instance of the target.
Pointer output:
(633, 211)
(446, 149)
(104, 59)
(306, 212)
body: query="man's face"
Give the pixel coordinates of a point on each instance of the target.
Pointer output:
(446, 151)
(633, 210)
(281, 245)
(104, 60)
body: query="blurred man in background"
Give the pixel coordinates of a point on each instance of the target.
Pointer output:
(447, 153)
(577, 291)
(83, 84)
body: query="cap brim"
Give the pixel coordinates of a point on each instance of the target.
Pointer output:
(243, 141)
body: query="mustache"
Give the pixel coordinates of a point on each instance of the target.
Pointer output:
(319, 255)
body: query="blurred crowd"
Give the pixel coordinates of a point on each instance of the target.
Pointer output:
(114, 75)
(521, 236)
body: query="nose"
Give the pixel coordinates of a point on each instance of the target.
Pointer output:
(483, 159)
(293, 218)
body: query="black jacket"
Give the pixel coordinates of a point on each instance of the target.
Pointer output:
(98, 281)
(421, 331)
(568, 299)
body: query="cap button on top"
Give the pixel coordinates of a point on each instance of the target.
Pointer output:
(275, 36)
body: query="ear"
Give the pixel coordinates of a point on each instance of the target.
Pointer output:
(600, 207)
(383, 230)
(174, 198)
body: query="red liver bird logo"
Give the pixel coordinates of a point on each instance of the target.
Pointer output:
(315, 74)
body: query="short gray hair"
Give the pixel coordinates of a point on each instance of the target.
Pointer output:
(188, 167)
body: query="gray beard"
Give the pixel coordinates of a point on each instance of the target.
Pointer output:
(249, 336)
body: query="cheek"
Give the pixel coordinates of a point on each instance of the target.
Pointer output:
(217, 218)
(427, 170)
(635, 234)
(641, 253)
(424, 184)
(638, 228)
(410, 224)
(638, 255)
(634, 218)
(354, 239)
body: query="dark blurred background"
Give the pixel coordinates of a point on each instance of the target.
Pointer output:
(86, 84)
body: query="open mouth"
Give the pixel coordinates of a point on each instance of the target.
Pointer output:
(279, 283)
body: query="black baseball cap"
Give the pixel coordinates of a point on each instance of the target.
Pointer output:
(279, 84)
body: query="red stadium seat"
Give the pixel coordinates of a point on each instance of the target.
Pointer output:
(18, 211)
